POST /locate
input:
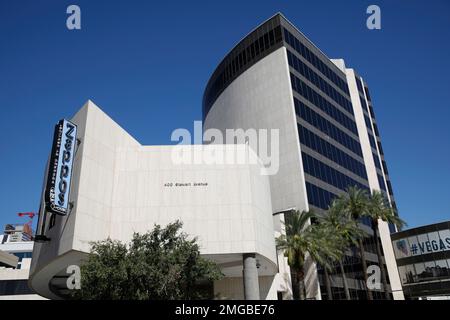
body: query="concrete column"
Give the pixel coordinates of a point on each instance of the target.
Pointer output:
(251, 281)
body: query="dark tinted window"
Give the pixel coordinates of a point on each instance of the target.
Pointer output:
(245, 54)
(315, 61)
(319, 197)
(381, 183)
(327, 174)
(367, 94)
(323, 104)
(319, 82)
(315, 119)
(331, 152)
(376, 159)
(372, 141)
(14, 287)
(363, 103)
(359, 85)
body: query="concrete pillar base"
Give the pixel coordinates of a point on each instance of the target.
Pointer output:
(250, 275)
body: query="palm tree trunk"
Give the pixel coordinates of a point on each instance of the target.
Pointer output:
(327, 284)
(301, 285)
(380, 261)
(364, 267)
(344, 280)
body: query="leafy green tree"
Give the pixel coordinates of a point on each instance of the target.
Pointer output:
(346, 232)
(162, 264)
(301, 239)
(378, 208)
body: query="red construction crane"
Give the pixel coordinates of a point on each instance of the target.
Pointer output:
(27, 226)
(29, 214)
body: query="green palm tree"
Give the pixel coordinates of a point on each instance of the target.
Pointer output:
(379, 209)
(347, 233)
(304, 238)
(354, 203)
(331, 249)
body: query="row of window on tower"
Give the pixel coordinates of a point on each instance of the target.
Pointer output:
(367, 93)
(389, 185)
(327, 174)
(323, 104)
(368, 124)
(376, 159)
(249, 53)
(383, 163)
(319, 82)
(359, 85)
(238, 61)
(380, 149)
(372, 113)
(331, 152)
(316, 120)
(363, 103)
(372, 141)
(319, 197)
(300, 48)
(386, 187)
(381, 182)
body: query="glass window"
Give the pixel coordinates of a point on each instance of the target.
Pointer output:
(445, 236)
(410, 274)
(401, 248)
(323, 104)
(14, 287)
(442, 264)
(402, 274)
(433, 237)
(413, 246)
(265, 41)
(422, 243)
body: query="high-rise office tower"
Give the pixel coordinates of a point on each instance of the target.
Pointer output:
(275, 78)
(17, 233)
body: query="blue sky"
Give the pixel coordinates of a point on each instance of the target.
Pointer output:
(146, 64)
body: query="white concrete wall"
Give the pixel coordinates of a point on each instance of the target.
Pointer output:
(383, 227)
(261, 98)
(14, 274)
(21, 246)
(118, 188)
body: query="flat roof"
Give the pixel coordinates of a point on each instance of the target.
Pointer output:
(420, 230)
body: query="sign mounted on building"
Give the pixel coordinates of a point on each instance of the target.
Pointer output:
(60, 167)
(429, 242)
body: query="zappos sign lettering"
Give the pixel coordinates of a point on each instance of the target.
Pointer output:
(60, 167)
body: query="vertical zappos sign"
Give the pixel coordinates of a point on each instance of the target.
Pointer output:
(60, 167)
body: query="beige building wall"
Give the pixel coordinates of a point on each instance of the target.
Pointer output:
(120, 187)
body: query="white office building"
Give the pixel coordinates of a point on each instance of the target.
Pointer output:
(15, 262)
(273, 79)
(276, 78)
(119, 187)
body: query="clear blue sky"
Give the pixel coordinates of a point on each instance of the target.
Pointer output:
(146, 64)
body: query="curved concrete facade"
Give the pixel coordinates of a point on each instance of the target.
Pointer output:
(120, 187)
(274, 80)
(277, 79)
(261, 98)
